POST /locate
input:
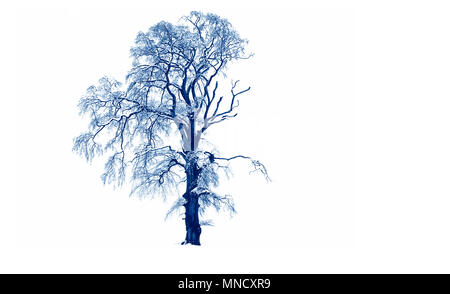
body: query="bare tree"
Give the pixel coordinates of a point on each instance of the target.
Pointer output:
(171, 91)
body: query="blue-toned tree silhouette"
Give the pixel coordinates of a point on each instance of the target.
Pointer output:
(171, 92)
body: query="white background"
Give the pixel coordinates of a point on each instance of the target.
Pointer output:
(348, 110)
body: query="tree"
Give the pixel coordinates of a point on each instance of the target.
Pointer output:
(172, 91)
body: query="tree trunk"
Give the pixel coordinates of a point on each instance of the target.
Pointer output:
(191, 219)
(193, 229)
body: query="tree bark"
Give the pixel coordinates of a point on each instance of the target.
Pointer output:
(193, 229)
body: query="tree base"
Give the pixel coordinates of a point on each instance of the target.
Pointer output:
(192, 243)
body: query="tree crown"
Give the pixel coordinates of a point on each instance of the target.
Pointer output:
(172, 87)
